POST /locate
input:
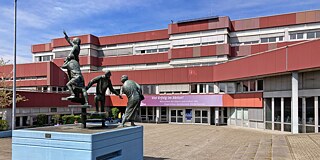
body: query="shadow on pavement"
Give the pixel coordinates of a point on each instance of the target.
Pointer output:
(153, 158)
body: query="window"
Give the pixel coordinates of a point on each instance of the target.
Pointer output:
(193, 88)
(311, 35)
(299, 35)
(272, 39)
(296, 36)
(238, 87)
(260, 85)
(222, 87)
(53, 109)
(163, 49)
(264, 40)
(202, 88)
(252, 86)
(281, 38)
(245, 86)
(211, 88)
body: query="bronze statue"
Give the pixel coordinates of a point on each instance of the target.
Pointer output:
(134, 93)
(75, 51)
(103, 83)
(76, 82)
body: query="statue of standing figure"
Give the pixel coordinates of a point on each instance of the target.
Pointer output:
(76, 81)
(103, 83)
(134, 93)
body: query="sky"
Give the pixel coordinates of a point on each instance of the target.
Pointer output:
(39, 21)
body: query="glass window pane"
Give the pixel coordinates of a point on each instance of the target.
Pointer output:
(300, 110)
(318, 34)
(300, 36)
(310, 110)
(197, 120)
(173, 119)
(272, 39)
(287, 110)
(233, 112)
(264, 40)
(311, 35)
(293, 36)
(193, 88)
(204, 113)
(211, 88)
(239, 113)
(268, 109)
(173, 113)
(204, 120)
(281, 38)
(277, 109)
(253, 85)
(180, 112)
(222, 87)
(197, 113)
(231, 88)
(245, 86)
(245, 114)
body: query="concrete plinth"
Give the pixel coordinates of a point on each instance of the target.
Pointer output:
(72, 142)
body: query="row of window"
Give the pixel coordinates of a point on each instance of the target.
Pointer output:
(230, 87)
(159, 50)
(43, 58)
(305, 35)
(197, 44)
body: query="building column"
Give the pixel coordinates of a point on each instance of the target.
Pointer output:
(294, 106)
(158, 115)
(221, 115)
(216, 111)
(264, 113)
(272, 113)
(21, 121)
(303, 119)
(282, 114)
(30, 121)
(229, 116)
(316, 114)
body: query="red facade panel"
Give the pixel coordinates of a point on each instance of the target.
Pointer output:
(85, 39)
(41, 48)
(221, 22)
(304, 56)
(134, 37)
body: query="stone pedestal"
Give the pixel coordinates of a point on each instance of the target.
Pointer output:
(72, 142)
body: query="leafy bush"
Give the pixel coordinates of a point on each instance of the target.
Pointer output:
(68, 119)
(114, 112)
(97, 116)
(41, 120)
(4, 125)
(56, 118)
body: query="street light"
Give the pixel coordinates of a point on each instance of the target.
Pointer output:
(14, 67)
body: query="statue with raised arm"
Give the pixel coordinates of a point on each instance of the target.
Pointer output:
(75, 51)
(134, 93)
(76, 82)
(103, 83)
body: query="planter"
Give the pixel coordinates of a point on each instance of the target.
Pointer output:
(4, 134)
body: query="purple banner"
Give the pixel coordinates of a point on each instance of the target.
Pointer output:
(182, 100)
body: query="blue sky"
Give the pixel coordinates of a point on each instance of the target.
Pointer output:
(39, 21)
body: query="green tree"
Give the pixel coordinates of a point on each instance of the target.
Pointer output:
(114, 112)
(5, 88)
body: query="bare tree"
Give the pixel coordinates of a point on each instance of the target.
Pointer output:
(5, 88)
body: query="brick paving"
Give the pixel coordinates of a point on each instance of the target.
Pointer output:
(202, 142)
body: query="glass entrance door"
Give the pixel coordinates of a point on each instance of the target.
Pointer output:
(176, 115)
(188, 116)
(163, 114)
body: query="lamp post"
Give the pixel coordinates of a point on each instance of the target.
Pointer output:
(14, 67)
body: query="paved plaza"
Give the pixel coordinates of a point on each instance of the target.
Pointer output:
(204, 142)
